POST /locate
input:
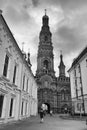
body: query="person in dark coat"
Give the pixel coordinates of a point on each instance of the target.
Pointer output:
(41, 115)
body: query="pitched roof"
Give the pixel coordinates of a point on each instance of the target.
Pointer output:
(84, 51)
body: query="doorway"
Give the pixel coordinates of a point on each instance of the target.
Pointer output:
(48, 107)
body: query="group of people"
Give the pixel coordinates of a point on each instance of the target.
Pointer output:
(42, 114)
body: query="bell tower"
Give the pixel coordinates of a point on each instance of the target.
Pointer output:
(45, 75)
(45, 57)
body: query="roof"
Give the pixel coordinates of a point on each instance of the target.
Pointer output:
(84, 51)
(14, 41)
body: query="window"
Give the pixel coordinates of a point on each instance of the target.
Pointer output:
(23, 81)
(11, 107)
(82, 106)
(78, 106)
(76, 93)
(6, 66)
(76, 82)
(1, 104)
(27, 85)
(46, 64)
(75, 73)
(22, 108)
(26, 109)
(62, 95)
(46, 83)
(14, 76)
(46, 38)
(79, 68)
(80, 79)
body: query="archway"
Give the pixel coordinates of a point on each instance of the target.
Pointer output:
(46, 64)
(48, 107)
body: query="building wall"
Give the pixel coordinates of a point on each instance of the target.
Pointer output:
(84, 74)
(78, 80)
(64, 94)
(18, 98)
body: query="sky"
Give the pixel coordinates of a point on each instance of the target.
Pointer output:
(67, 21)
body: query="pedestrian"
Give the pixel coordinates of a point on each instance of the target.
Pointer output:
(41, 115)
(51, 112)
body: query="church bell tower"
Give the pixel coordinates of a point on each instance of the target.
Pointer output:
(45, 75)
(45, 57)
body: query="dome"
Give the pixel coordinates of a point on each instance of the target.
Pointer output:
(45, 19)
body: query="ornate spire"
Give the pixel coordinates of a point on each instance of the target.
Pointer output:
(45, 19)
(45, 11)
(45, 34)
(24, 54)
(61, 66)
(28, 60)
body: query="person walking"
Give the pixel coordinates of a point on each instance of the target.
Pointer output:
(41, 114)
(51, 112)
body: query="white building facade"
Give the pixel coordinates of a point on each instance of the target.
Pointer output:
(78, 80)
(18, 88)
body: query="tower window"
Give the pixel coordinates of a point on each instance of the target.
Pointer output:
(46, 64)
(46, 38)
(6, 65)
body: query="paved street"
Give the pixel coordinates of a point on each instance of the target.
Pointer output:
(50, 123)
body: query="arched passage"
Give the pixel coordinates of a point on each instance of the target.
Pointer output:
(48, 107)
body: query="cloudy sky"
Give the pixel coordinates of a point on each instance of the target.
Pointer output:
(67, 21)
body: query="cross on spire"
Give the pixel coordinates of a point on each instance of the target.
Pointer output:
(60, 52)
(45, 11)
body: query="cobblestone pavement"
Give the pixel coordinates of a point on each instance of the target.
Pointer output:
(50, 123)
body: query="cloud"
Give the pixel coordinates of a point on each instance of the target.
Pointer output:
(68, 24)
(35, 3)
(67, 39)
(16, 16)
(70, 34)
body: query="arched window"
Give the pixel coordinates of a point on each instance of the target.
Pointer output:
(46, 64)
(62, 95)
(46, 38)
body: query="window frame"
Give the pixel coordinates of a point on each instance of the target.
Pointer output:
(6, 64)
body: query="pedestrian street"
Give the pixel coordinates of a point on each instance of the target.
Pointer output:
(50, 123)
